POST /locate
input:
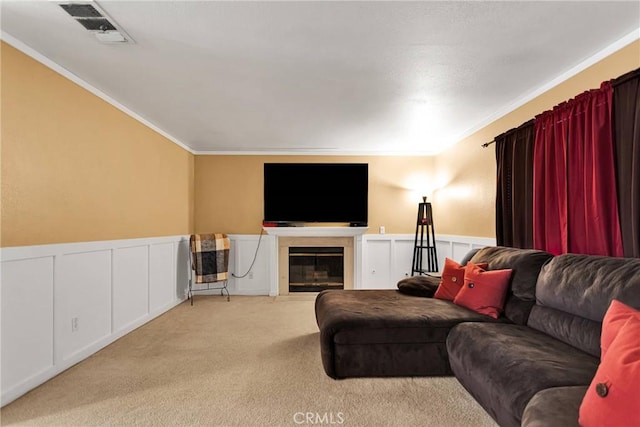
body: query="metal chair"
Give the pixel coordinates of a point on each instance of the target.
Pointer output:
(209, 261)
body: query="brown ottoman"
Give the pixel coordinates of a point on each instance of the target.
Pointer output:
(384, 333)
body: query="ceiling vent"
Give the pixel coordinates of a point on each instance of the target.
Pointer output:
(94, 19)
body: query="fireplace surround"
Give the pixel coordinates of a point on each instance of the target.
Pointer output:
(282, 238)
(285, 244)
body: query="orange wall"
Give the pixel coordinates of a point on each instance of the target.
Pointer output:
(229, 190)
(75, 168)
(466, 204)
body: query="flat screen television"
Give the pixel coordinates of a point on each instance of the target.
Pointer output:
(316, 192)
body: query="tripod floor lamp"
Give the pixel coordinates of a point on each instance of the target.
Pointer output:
(425, 258)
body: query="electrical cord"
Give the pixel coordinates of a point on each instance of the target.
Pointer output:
(254, 258)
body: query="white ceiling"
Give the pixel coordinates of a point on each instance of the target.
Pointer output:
(324, 77)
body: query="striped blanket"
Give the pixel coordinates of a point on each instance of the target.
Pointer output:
(210, 257)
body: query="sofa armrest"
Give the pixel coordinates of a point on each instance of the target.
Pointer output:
(554, 407)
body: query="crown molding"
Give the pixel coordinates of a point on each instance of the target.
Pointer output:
(312, 152)
(612, 48)
(29, 51)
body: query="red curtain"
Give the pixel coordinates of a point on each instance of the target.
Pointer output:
(575, 204)
(549, 182)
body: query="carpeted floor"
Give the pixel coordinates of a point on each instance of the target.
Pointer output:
(254, 361)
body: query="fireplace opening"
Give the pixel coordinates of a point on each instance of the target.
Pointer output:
(313, 269)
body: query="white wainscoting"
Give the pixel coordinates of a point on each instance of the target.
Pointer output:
(387, 258)
(383, 260)
(63, 302)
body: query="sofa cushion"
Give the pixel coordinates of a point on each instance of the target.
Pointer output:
(526, 265)
(386, 333)
(483, 291)
(612, 397)
(554, 407)
(504, 365)
(419, 286)
(615, 317)
(574, 292)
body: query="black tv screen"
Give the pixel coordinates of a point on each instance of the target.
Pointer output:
(316, 192)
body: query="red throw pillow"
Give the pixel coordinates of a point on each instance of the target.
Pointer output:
(484, 291)
(616, 316)
(613, 399)
(452, 279)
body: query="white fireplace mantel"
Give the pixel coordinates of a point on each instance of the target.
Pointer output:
(315, 231)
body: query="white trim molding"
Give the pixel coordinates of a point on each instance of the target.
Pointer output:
(315, 231)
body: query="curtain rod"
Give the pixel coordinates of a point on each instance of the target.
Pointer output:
(486, 144)
(525, 124)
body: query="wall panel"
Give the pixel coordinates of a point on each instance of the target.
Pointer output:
(130, 285)
(378, 266)
(83, 292)
(27, 319)
(256, 282)
(162, 289)
(403, 258)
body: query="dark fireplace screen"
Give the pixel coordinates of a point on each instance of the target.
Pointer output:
(313, 269)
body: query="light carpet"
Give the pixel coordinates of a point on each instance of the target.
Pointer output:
(254, 361)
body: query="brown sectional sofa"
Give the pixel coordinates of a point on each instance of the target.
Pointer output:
(372, 333)
(529, 367)
(505, 366)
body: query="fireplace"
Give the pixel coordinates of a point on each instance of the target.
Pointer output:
(313, 269)
(332, 257)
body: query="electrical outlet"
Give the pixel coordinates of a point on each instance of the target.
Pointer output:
(74, 324)
(251, 275)
(382, 229)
